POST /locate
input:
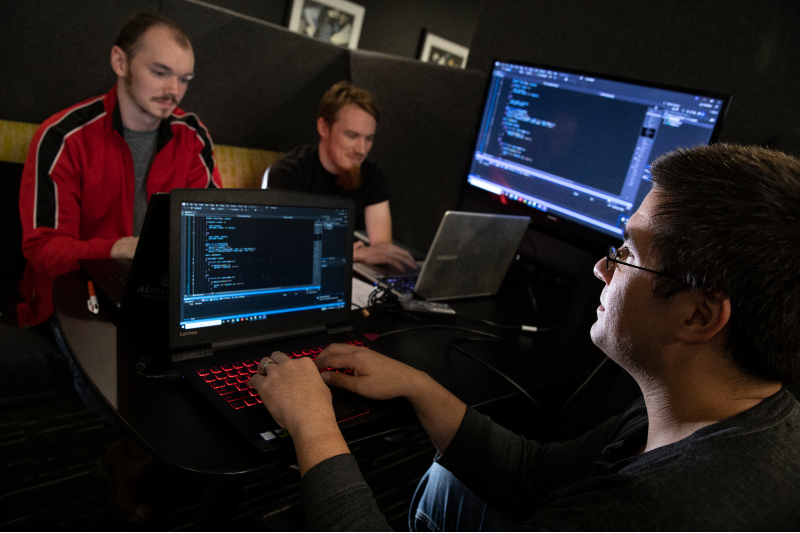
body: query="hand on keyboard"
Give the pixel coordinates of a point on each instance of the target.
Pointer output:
(385, 253)
(231, 380)
(373, 375)
(293, 391)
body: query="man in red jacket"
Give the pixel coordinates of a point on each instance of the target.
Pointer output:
(90, 172)
(92, 168)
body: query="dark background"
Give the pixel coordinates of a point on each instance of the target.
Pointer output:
(258, 85)
(391, 27)
(748, 49)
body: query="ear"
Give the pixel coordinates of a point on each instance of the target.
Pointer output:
(119, 61)
(322, 128)
(709, 313)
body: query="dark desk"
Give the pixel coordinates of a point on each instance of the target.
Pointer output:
(181, 428)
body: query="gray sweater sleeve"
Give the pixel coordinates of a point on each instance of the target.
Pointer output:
(336, 498)
(512, 473)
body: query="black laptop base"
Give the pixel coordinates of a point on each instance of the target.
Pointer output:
(239, 402)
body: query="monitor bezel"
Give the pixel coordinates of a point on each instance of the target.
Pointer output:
(278, 325)
(553, 223)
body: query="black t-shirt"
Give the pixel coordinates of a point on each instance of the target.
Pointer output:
(301, 170)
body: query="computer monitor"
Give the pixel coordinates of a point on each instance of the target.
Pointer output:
(577, 147)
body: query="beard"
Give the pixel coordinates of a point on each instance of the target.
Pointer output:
(349, 178)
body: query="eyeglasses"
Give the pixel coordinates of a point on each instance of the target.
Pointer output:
(613, 255)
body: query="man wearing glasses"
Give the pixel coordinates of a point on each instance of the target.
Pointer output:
(701, 305)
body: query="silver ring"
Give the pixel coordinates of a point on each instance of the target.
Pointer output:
(270, 362)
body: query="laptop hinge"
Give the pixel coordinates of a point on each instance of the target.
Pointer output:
(192, 353)
(344, 328)
(238, 343)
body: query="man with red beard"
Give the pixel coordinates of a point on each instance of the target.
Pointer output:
(348, 117)
(89, 175)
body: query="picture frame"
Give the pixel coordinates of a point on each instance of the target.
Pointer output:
(440, 51)
(337, 22)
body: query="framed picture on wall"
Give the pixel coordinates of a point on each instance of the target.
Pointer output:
(336, 22)
(438, 50)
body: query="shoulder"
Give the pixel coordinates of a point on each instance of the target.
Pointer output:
(306, 154)
(75, 117)
(296, 170)
(374, 188)
(763, 441)
(688, 490)
(738, 474)
(189, 125)
(371, 168)
(75, 120)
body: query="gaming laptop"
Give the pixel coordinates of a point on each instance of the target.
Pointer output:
(256, 271)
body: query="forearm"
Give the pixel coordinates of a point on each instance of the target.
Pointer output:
(438, 410)
(336, 498)
(316, 441)
(378, 221)
(382, 378)
(56, 255)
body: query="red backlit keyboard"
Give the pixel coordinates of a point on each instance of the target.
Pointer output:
(230, 380)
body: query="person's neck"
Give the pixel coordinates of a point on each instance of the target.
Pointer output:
(133, 118)
(693, 390)
(326, 161)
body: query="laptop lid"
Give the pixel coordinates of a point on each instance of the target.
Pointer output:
(252, 266)
(148, 282)
(470, 255)
(139, 286)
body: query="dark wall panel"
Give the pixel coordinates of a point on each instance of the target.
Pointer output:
(273, 11)
(748, 49)
(57, 53)
(390, 27)
(429, 115)
(257, 85)
(396, 27)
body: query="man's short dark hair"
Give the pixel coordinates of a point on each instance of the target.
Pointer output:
(345, 93)
(728, 219)
(137, 25)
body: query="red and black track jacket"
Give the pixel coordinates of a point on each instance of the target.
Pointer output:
(77, 192)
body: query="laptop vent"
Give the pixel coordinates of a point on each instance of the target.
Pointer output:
(340, 329)
(192, 354)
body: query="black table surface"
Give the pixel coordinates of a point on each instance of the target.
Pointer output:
(184, 430)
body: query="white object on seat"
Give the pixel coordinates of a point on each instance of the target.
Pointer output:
(265, 179)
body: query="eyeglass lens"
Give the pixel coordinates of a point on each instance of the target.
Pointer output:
(610, 253)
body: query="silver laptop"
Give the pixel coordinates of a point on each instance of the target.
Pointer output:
(469, 257)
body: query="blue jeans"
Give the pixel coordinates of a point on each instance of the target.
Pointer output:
(443, 503)
(86, 392)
